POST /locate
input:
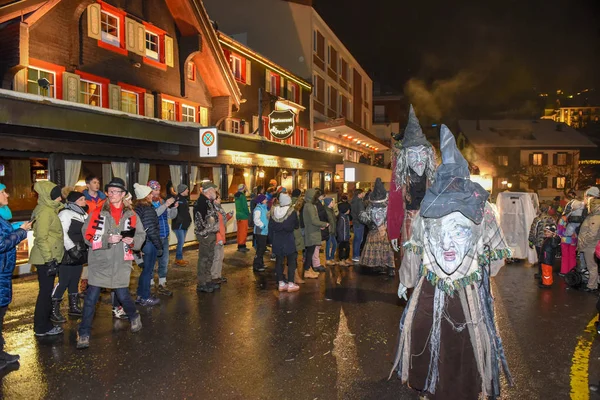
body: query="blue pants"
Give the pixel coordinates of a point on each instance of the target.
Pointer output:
(143, 289)
(359, 231)
(330, 248)
(180, 234)
(163, 262)
(89, 307)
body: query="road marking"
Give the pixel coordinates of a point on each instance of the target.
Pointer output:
(581, 362)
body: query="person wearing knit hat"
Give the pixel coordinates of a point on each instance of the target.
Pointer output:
(284, 220)
(165, 213)
(455, 247)
(72, 218)
(242, 216)
(10, 237)
(181, 188)
(48, 250)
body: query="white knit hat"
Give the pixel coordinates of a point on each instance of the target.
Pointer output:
(593, 192)
(141, 191)
(284, 200)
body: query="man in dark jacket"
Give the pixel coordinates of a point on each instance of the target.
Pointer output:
(206, 223)
(356, 207)
(181, 223)
(9, 239)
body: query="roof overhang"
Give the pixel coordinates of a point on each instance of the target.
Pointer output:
(351, 133)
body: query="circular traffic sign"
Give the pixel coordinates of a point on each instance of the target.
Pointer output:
(208, 138)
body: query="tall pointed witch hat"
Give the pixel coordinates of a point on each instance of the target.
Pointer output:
(413, 134)
(453, 189)
(379, 195)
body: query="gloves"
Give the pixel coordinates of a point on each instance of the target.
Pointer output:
(395, 245)
(402, 291)
(52, 268)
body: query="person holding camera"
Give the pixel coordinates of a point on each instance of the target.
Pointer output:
(72, 218)
(48, 249)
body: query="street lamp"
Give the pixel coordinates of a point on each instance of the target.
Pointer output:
(509, 185)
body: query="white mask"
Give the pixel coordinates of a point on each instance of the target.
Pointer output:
(449, 239)
(417, 159)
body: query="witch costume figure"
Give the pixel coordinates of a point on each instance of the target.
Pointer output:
(377, 253)
(448, 345)
(413, 172)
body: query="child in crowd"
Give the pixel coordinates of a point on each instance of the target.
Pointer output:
(548, 252)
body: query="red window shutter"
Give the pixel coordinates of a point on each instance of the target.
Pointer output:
(227, 55)
(278, 90)
(243, 70)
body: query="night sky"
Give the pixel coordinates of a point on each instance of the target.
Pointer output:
(472, 58)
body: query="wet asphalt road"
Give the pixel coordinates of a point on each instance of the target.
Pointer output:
(328, 341)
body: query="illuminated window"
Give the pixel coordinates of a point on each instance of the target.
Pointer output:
(168, 110)
(33, 75)
(538, 159)
(560, 182)
(235, 126)
(90, 93)
(188, 113)
(152, 47)
(236, 67)
(273, 83)
(109, 25)
(561, 159)
(503, 161)
(191, 71)
(203, 116)
(292, 91)
(129, 102)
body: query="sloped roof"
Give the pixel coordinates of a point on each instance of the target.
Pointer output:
(522, 134)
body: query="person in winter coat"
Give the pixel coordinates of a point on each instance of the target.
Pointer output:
(312, 230)
(181, 223)
(568, 227)
(284, 220)
(216, 270)
(536, 233)
(357, 206)
(331, 245)
(48, 250)
(549, 246)
(113, 233)
(298, 204)
(343, 233)
(242, 214)
(261, 231)
(253, 203)
(9, 240)
(152, 248)
(589, 235)
(166, 210)
(72, 218)
(94, 197)
(206, 222)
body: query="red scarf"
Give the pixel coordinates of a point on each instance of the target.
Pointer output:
(95, 230)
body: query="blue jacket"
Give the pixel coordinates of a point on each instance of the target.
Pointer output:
(261, 209)
(9, 239)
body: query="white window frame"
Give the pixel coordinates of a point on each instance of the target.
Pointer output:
(87, 82)
(274, 85)
(51, 89)
(237, 124)
(151, 54)
(185, 116)
(137, 101)
(108, 37)
(236, 68)
(162, 109)
(203, 116)
(541, 159)
(561, 181)
(190, 71)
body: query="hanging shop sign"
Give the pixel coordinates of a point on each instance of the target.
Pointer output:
(208, 142)
(282, 124)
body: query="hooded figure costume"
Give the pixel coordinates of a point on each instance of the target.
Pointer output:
(412, 172)
(448, 346)
(378, 253)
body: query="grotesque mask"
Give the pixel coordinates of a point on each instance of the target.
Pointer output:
(449, 239)
(417, 159)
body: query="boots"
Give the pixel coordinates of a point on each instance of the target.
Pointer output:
(74, 308)
(299, 274)
(56, 316)
(311, 274)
